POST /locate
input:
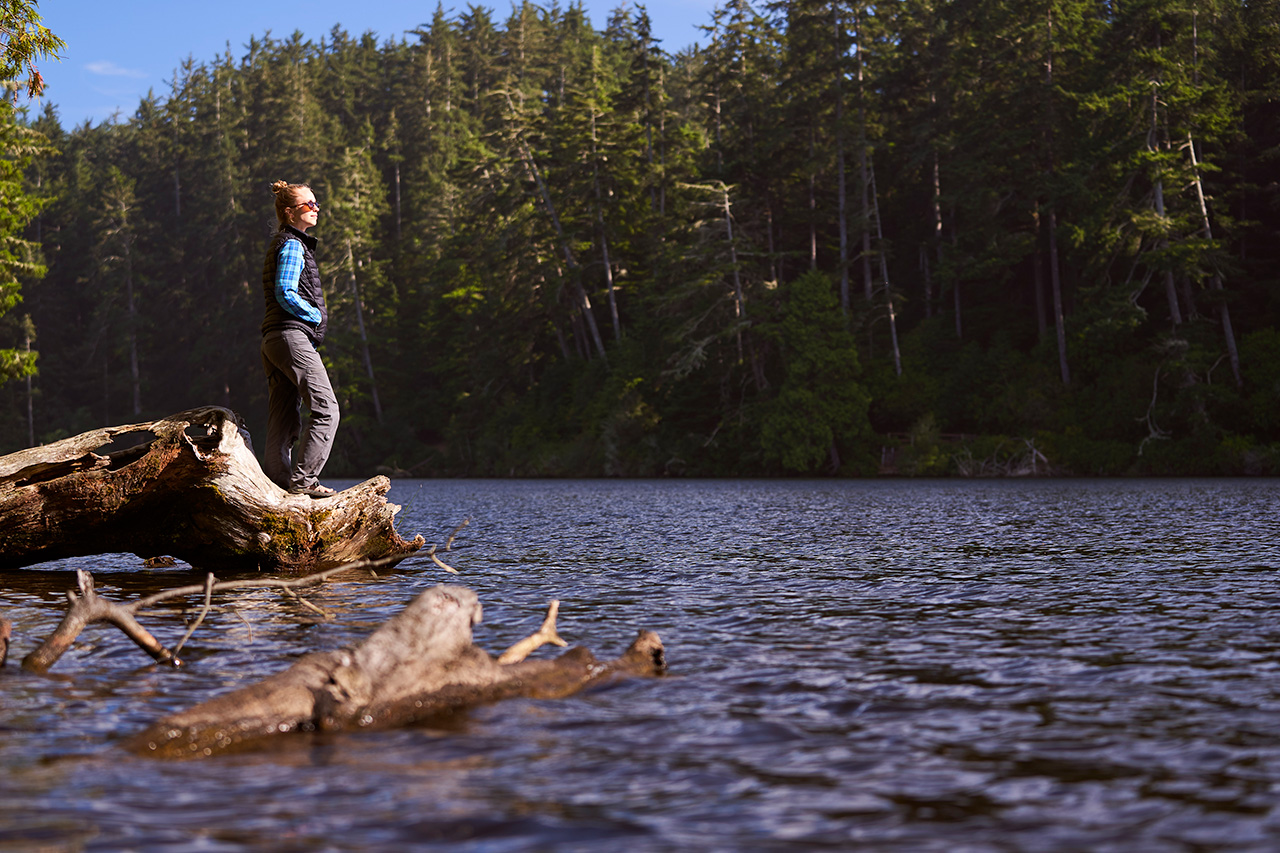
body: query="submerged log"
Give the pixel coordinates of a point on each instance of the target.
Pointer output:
(420, 663)
(188, 486)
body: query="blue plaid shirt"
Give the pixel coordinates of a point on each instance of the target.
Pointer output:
(288, 271)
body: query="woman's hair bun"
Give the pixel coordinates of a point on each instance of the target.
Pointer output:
(279, 185)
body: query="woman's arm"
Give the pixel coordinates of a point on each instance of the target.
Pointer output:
(288, 270)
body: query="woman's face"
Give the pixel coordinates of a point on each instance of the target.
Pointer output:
(305, 212)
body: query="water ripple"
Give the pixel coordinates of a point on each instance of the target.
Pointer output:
(907, 666)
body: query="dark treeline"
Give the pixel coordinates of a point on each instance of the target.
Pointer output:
(985, 235)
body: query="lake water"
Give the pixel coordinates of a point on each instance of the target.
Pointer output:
(883, 665)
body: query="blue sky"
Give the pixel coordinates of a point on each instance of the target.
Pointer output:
(117, 50)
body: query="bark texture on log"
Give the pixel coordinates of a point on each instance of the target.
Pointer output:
(188, 486)
(420, 663)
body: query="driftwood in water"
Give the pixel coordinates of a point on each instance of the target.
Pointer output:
(188, 486)
(420, 663)
(88, 608)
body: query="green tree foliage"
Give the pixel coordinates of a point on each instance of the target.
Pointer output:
(837, 231)
(820, 405)
(19, 257)
(23, 41)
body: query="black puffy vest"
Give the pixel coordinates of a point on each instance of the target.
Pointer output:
(308, 287)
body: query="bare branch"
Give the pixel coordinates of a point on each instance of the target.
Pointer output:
(439, 562)
(263, 583)
(307, 604)
(448, 545)
(208, 601)
(87, 608)
(538, 639)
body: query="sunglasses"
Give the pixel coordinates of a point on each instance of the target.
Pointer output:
(310, 205)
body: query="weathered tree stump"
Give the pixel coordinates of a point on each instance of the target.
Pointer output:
(420, 663)
(188, 486)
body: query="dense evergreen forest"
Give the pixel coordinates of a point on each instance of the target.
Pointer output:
(921, 238)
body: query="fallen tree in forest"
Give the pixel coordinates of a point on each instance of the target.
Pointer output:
(419, 663)
(188, 486)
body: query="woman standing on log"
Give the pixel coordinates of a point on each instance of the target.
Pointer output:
(293, 328)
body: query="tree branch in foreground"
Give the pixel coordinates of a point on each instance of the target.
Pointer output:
(421, 662)
(88, 608)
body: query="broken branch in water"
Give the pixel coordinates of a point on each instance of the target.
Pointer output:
(208, 602)
(88, 608)
(439, 562)
(448, 545)
(536, 640)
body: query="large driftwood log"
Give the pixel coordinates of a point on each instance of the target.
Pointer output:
(188, 486)
(421, 662)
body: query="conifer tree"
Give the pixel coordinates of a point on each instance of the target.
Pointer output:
(24, 41)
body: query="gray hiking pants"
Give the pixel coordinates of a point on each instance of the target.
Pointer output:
(296, 377)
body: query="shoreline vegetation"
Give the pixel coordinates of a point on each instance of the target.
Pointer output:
(905, 456)
(838, 240)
